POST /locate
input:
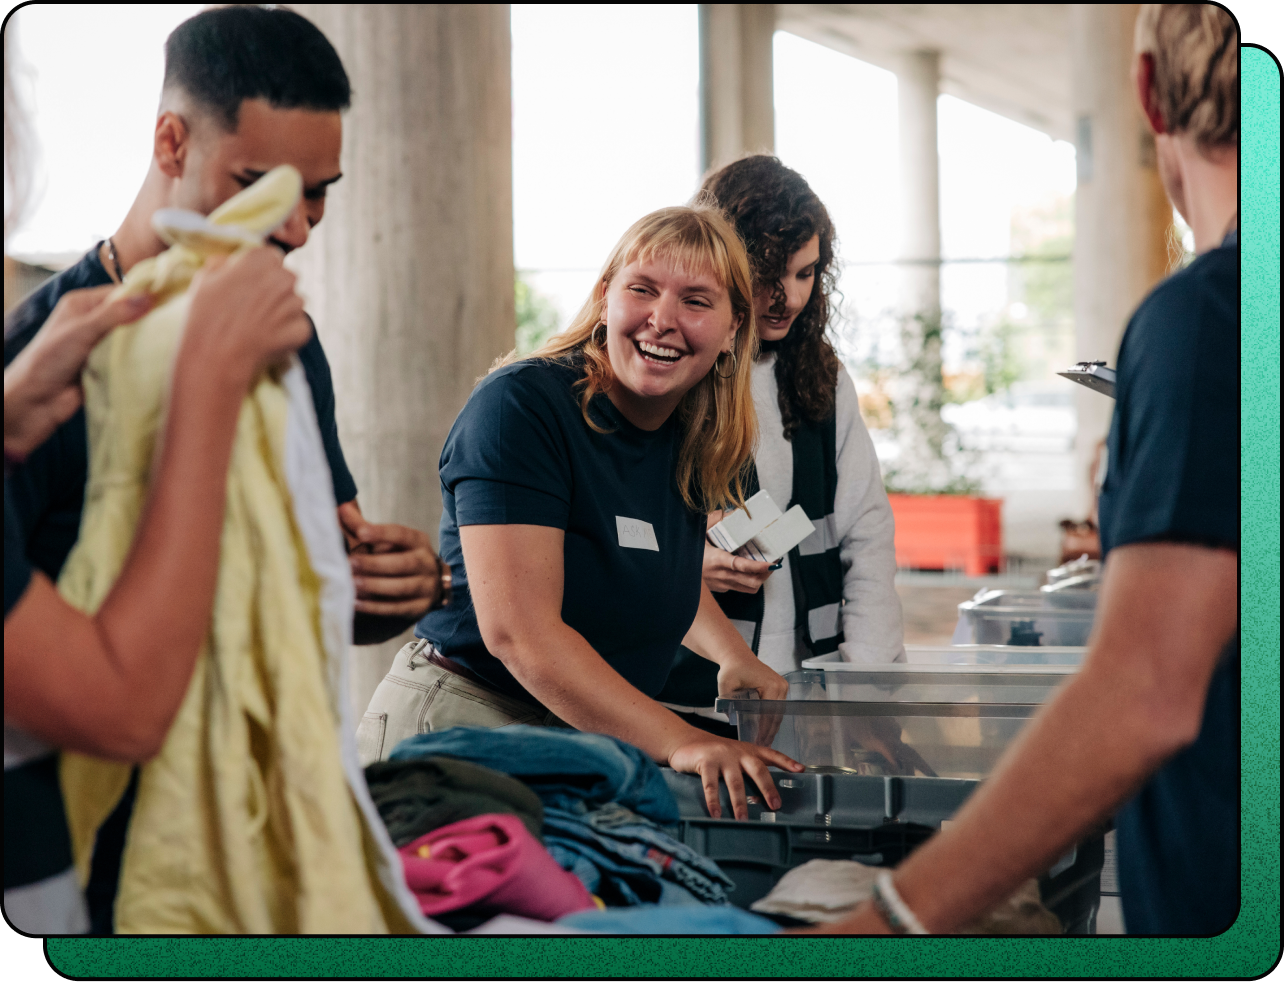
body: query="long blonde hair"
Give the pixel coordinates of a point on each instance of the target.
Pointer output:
(720, 427)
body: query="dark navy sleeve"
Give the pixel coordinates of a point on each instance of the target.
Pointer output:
(17, 571)
(1173, 466)
(506, 459)
(24, 321)
(317, 369)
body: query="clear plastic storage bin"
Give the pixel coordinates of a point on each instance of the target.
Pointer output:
(894, 722)
(963, 658)
(1027, 618)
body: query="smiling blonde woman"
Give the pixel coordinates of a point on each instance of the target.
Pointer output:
(576, 484)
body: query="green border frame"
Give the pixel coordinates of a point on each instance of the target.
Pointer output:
(1249, 949)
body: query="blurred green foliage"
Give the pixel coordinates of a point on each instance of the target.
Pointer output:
(1000, 357)
(931, 458)
(1046, 288)
(536, 317)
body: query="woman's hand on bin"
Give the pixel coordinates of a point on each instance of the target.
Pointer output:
(748, 672)
(714, 757)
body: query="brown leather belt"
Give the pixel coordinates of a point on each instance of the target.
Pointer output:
(449, 664)
(435, 657)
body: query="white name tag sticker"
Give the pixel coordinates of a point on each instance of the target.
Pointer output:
(636, 534)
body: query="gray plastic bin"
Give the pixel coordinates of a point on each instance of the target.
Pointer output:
(877, 821)
(1026, 618)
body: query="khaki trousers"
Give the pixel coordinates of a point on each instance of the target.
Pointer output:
(417, 696)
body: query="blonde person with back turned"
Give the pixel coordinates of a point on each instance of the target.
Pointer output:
(1148, 731)
(576, 484)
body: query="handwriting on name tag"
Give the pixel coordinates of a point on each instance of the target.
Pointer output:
(636, 534)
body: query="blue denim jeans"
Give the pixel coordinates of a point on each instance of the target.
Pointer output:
(671, 920)
(628, 860)
(567, 769)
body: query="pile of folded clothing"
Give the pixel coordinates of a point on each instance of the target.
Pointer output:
(470, 842)
(598, 805)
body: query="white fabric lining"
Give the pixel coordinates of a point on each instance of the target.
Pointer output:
(51, 906)
(307, 472)
(21, 747)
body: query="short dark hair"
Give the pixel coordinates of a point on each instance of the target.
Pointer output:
(223, 56)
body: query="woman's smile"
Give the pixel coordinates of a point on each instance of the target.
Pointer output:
(666, 326)
(658, 354)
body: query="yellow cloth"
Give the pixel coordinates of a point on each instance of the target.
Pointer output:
(246, 821)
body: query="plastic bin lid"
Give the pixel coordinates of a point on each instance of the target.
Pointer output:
(894, 693)
(1004, 604)
(964, 658)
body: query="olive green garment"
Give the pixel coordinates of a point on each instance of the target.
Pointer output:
(415, 797)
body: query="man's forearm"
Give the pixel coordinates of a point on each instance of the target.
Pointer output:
(1078, 761)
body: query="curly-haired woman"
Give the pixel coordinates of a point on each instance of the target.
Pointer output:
(835, 591)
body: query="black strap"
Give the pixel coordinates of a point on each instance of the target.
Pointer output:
(818, 577)
(37, 844)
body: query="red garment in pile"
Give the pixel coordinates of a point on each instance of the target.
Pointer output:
(491, 862)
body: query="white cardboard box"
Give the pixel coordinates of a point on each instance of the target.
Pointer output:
(762, 533)
(740, 526)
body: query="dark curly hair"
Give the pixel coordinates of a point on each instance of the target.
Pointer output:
(776, 213)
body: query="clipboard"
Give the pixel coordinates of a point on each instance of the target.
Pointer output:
(1094, 374)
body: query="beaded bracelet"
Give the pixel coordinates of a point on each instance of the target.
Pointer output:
(893, 908)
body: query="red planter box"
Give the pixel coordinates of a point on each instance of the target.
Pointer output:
(948, 531)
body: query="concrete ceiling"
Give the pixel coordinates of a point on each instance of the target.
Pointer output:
(1010, 58)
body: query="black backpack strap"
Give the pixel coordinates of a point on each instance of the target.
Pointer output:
(816, 564)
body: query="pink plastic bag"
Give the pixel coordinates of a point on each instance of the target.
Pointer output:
(492, 862)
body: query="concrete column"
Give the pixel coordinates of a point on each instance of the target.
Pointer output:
(1122, 216)
(737, 112)
(917, 87)
(410, 275)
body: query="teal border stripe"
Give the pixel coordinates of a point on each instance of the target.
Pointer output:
(1248, 949)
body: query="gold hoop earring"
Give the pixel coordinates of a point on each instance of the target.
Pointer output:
(734, 365)
(593, 335)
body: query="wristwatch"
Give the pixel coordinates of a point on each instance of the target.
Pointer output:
(446, 579)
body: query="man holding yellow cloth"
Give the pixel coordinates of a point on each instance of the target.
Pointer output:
(246, 89)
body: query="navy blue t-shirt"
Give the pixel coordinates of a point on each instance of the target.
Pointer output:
(521, 453)
(37, 845)
(1172, 474)
(17, 571)
(48, 489)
